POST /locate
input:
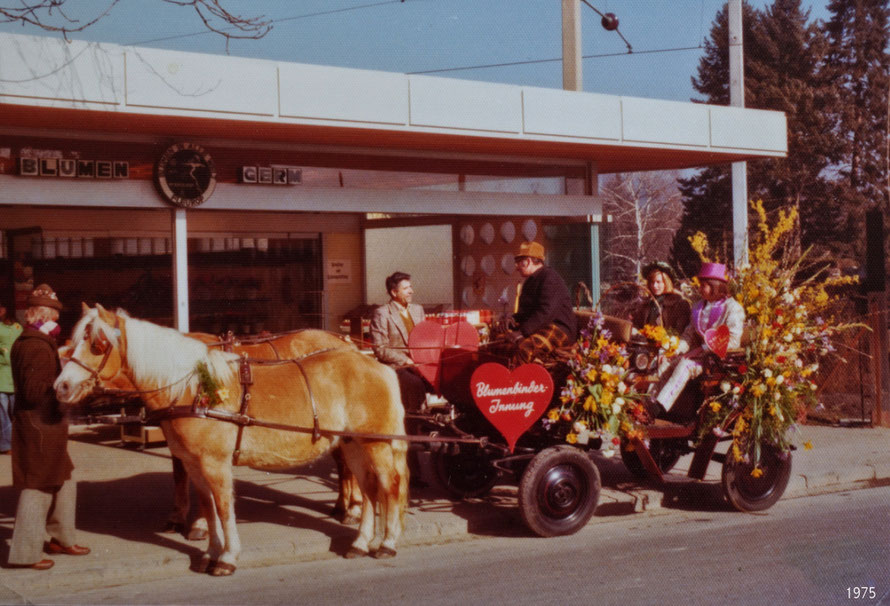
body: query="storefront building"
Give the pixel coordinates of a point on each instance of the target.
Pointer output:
(216, 193)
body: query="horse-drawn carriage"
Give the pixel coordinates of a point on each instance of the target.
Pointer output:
(218, 409)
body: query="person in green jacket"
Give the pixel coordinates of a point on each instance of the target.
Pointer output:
(9, 332)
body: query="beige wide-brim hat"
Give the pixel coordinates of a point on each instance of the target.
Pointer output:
(44, 296)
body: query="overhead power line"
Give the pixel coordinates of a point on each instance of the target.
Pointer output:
(273, 21)
(555, 59)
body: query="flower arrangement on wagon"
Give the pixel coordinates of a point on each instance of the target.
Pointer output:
(599, 399)
(790, 329)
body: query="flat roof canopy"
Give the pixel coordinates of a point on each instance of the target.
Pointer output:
(81, 87)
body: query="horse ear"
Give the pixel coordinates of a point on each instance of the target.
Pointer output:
(106, 315)
(84, 308)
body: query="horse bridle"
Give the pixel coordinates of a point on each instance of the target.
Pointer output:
(96, 374)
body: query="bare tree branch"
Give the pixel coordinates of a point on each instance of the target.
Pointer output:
(50, 15)
(645, 209)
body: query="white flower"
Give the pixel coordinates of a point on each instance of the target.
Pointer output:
(789, 337)
(607, 369)
(578, 427)
(777, 396)
(622, 387)
(798, 363)
(767, 373)
(736, 390)
(608, 453)
(616, 407)
(788, 298)
(780, 379)
(813, 386)
(725, 386)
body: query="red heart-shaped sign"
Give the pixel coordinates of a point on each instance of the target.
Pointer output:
(428, 339)
(718, 340)
(512, 401)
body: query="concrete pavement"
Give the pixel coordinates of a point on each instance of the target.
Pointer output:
(125, 495)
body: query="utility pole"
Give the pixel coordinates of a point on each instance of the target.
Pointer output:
(571, 45)
(739, 169)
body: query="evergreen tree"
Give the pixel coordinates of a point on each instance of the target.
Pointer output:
(856, 66)
(707, 205)
(782, 55)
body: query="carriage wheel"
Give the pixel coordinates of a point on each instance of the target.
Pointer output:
(559, 491)
(666, 453)
(469, 473)
(747, 493)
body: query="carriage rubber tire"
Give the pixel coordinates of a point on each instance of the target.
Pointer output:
(747, 493)
(559, 491)
(466, 474)
(661, 450)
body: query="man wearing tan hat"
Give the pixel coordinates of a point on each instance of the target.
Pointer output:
(544, 317)
(41, 467)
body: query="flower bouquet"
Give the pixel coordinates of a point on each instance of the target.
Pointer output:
(599, 400)
(789, 329)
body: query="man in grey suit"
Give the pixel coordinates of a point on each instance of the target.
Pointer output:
(390, 326)
(392, 323)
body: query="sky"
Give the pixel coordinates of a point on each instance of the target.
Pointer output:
(429, 36)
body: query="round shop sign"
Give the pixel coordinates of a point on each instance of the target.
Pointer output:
(185, 175)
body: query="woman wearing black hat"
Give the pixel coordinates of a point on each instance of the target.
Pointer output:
(41, 467)
(664, 307)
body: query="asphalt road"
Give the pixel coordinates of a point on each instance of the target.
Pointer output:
(818, 550)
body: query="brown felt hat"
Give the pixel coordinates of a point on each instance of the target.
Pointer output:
(44, 296)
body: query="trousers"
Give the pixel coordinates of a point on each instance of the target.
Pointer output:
(686, 369)
(41, 513)
(7, 401)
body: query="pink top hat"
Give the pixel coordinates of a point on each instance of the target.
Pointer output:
(712, 271)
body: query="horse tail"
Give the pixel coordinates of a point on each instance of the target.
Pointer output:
(399, 447)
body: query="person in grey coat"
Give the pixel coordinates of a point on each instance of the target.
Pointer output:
(41, 467)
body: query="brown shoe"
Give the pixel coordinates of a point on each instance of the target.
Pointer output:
(76, 550)
(41, 565)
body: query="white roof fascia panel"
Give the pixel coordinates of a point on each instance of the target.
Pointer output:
(171, 79)
(339, 93)
(231, 196)
(548, 111)
(111, 193)
(665, 122)
(743, 128)
(72, 72)
(465, 104)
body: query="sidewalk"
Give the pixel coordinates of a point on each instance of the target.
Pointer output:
(125, 495)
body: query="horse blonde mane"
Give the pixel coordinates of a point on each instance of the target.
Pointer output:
(159, 354)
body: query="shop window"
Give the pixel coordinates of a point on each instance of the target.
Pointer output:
(245, 285)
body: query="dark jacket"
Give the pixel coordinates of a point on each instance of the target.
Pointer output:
(545, 300)
(675, 313)
(39, 430)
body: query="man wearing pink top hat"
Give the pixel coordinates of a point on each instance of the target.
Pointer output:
(716, 308)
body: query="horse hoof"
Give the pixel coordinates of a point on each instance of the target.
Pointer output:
(350, 520)
(355, 552)
(223, 569)
(385, 552)
(197, 534)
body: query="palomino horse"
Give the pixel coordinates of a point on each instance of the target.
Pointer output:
(337, 391)
(289, 346)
